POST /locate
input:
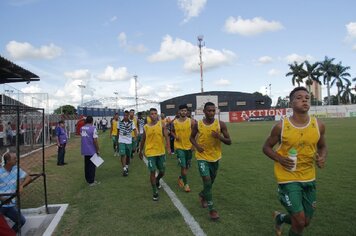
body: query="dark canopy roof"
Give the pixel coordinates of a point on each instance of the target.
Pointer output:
(11, 73)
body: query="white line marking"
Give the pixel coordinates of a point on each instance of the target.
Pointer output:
(188, 218)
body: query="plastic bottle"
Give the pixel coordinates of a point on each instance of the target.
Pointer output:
(292, 154)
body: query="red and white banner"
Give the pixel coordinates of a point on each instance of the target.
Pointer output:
(241, 116)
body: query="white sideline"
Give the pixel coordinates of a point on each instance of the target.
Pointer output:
(188, 218)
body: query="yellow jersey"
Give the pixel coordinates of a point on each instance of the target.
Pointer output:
(183, 130)
(304, 140)
(153, 144)
(149, 120)
(211, 145)
(114, 127)
(134, 120)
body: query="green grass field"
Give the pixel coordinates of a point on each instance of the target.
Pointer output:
(244, 191)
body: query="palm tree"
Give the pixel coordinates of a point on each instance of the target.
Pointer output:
(312, 73)
(326, 69)
(340, 74)
(296, 71)
(347, 97)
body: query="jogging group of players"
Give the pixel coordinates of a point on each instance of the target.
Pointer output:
(296, 188)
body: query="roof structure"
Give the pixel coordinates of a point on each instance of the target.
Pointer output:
(12, 73)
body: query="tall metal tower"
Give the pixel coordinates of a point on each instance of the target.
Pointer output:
(136, 98)
(200, 45)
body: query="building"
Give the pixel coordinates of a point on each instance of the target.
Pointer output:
(316, 91)
(224, 100)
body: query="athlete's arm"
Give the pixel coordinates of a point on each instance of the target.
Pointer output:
(192, 138)
(322, 148)
(226, 137)
(165, 134)
(270, 142)
(142, 144)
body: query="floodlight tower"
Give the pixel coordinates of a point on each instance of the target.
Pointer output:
(81, 86)
(200, 45)
(136, 98)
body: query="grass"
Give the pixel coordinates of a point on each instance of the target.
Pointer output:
(244, 192)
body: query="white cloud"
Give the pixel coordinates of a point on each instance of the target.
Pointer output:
(78, 74)
(265, 60)
(114, 18)
(168, 90)
(191, 8)
(222, 82)
(351, 30)
(298, 58)
(140, 48)
(25, 50)
(274, 72)
(250, 27)
(354, 47)
(112, 74)
(180, 49)
(31, 89)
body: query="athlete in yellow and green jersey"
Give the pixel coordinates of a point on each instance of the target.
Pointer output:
(296, 188)
(153, 148)
(113, 133)
(206, 137)
(181, 131)
(133, 118)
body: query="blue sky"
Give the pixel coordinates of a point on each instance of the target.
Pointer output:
(102, 44)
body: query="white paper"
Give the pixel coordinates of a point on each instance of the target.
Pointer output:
(97, 160)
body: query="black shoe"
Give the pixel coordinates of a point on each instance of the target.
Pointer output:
(155, 197)
(125, 173)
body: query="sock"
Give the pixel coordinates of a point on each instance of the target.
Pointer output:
(154, 188)
(291, 233)
(184, 178)
(284, 218)
(207, 194)
(126, 166)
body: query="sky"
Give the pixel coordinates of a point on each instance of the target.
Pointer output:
(103, 44)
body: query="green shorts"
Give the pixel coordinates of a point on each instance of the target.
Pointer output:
(184, 157)
(156, 162)
(208, 168)
(139, 137)
(114, 138)
(125, 149)
(134, 144)
(297, 197)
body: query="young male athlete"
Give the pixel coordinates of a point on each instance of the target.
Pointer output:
(296, 189)
(113, 133)
(140, 125)
(126, 128)
(133, 118)
(206, 138)
(152, 146)
(181, 131)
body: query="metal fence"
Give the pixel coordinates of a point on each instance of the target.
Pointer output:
(23, 131)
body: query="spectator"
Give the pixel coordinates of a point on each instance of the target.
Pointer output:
(8, 184)
(62, 138)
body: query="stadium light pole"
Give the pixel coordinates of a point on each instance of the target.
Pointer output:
(200, 45)
(81, 86)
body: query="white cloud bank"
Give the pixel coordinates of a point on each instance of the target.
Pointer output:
(78, 74)
(112, 74)
(265, 60)
(222, 82)
(18, 50)
(191, 8)
(250, 27)
(180, 49)
(298, 58)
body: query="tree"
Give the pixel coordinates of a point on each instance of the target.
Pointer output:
(345, 94)
(339, 75)
(282, 102)
(311, 73)
(332, 99)
(326, 68)
(296, 71)
(66, 110)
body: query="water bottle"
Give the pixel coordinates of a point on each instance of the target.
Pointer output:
(292, 154)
